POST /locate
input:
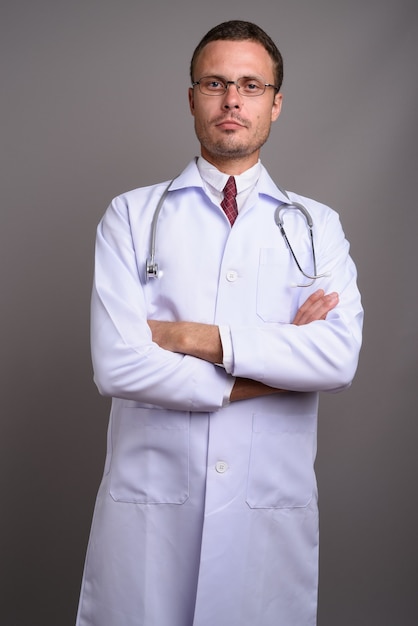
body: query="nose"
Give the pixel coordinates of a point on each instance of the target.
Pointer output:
(232, 98)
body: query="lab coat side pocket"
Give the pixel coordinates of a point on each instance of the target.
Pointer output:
(281, 471)
(150, 457)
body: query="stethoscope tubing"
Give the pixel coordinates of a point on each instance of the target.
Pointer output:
(279, 221)
(152, 269)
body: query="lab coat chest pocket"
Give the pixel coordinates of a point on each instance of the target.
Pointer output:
(281, 472)
(150, 457)
(274, 290)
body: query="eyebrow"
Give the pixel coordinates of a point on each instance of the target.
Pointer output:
(246, 76)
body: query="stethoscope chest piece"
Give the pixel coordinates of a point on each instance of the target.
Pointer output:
(151, 269)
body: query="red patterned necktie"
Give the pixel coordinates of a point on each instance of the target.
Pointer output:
(229, 203)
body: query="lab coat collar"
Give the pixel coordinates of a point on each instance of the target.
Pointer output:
(190, 177)
(267, 187)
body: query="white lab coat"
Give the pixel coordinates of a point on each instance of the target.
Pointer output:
(207, 514)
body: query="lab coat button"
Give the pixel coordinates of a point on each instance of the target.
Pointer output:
(221, 467)
(231, 275)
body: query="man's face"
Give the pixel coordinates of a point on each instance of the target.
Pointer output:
(232, 128)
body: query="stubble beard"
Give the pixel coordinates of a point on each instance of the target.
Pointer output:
(227, 147)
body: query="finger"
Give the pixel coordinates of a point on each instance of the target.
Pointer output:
(313, 298)
(316, 308)
(306, 307)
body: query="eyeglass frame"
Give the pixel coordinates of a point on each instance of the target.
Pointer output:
(226, 84)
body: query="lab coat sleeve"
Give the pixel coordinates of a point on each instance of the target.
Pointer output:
(126, 362)
(322, 355)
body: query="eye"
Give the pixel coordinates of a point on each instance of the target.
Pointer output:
(212, 84)
(251, 86)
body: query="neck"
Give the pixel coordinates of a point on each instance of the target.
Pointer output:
(229, 165)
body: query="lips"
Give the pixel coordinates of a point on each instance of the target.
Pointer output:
(229, 124)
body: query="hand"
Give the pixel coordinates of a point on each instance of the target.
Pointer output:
(316, 307)
(203, 341)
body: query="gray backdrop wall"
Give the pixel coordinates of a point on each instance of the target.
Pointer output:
(93, 103)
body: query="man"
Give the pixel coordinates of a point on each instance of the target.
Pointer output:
(207, 512)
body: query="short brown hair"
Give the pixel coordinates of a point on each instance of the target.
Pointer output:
(237, 30)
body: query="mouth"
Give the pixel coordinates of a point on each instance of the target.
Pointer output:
(229, 124)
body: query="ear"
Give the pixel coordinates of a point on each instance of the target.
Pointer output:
(191, 100)
(277, 106)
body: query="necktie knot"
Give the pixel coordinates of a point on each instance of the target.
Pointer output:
(229, 203)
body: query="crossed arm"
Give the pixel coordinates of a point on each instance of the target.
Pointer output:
(203, 340)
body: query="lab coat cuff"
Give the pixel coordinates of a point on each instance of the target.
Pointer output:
(226, 341)
(228, 391)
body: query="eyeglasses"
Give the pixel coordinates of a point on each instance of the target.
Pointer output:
(215, 86)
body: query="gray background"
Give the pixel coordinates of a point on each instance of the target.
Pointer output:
(93, 103)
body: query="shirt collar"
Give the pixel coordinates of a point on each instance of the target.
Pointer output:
(217, 179)
(190, 177)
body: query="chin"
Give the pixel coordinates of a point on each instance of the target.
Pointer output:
(229, 149)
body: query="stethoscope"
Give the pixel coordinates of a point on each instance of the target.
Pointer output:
(279, 221)
(152, 269)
